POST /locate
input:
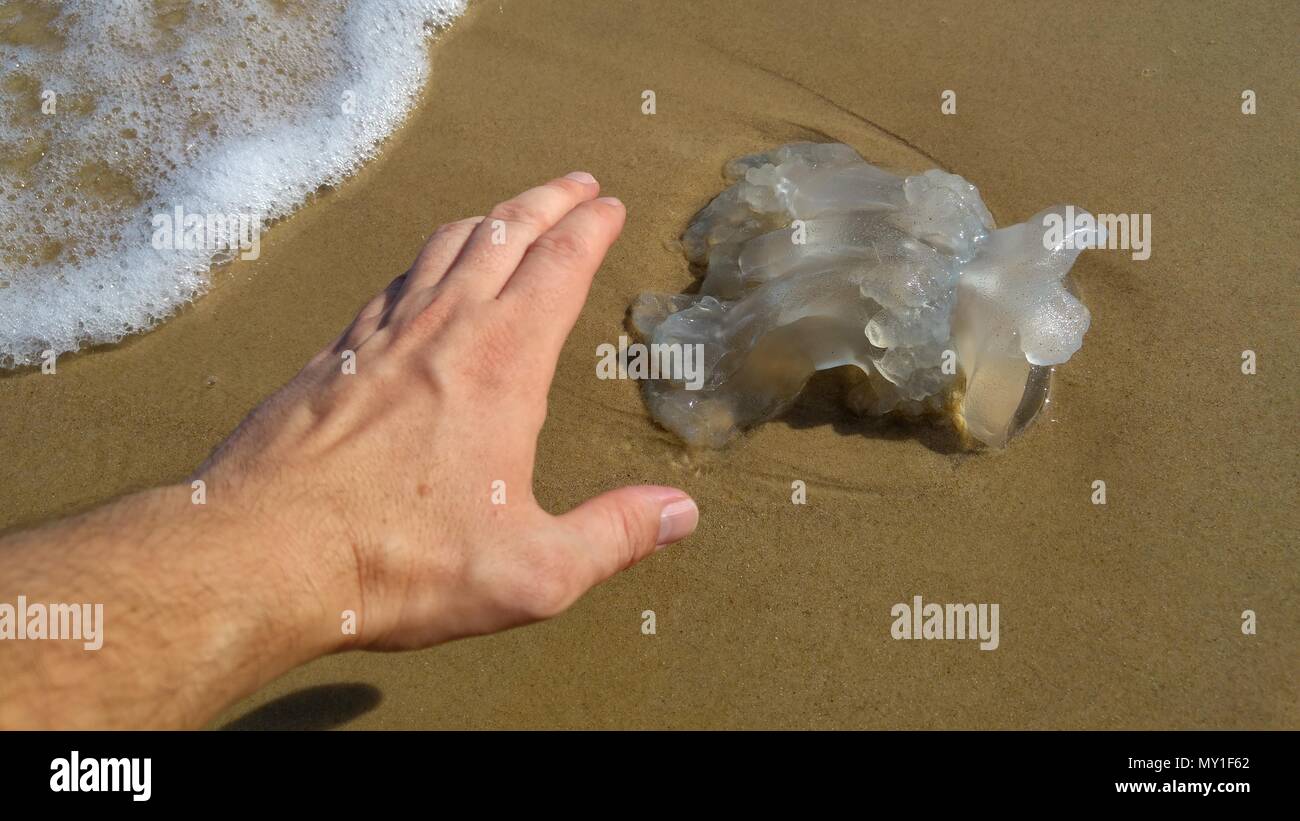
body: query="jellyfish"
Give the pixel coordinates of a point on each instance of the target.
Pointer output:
(814, 259)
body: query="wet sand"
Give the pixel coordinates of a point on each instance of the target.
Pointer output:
(773, 614)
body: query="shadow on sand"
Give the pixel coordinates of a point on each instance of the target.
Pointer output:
(323, 707)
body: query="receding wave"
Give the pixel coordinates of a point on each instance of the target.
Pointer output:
(142, 142)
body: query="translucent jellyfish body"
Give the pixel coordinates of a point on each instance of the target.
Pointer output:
(814, 259)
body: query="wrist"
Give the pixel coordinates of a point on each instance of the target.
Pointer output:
(257, 597)
(286, 572)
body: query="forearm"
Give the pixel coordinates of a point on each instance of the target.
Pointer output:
(201, 605)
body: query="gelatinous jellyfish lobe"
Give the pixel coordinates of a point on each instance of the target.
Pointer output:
(814, 259)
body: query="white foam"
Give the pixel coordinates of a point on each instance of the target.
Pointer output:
(221, 108)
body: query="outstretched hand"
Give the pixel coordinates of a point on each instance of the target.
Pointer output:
(405, 449)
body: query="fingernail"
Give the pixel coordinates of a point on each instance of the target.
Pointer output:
(580, 176)
(677, 520)
(614, 201)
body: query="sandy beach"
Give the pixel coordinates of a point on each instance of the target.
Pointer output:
(1122, 615)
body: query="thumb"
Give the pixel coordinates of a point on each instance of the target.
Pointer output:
(619, 528)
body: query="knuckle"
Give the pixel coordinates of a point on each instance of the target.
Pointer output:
(626, 530)
(571, 189)
(428, 318)
(381, 301)
(563, 246)
(385, 370)
(458, 230)
(320, 357)
(518, 213)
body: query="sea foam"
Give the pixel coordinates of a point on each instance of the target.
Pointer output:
(114, 112)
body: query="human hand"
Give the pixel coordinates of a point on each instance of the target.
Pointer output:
(378, 485)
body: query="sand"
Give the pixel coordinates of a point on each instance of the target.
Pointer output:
(775, 614)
